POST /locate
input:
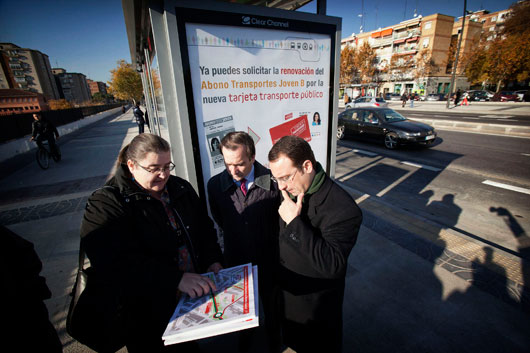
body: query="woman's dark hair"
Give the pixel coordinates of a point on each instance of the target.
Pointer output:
(234, 139)
(295, 148)
(316, 114)
(140, 146)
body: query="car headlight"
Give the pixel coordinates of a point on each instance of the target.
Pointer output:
(408, 134)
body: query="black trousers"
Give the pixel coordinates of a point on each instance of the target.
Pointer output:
(51, 142)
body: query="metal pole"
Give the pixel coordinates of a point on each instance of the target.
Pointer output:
(321, 7)
(451, 85)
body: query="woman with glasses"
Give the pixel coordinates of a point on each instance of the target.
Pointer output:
(148, 236)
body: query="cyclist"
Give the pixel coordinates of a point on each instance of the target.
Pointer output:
(42, 129)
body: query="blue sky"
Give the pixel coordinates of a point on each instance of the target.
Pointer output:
(89, 36)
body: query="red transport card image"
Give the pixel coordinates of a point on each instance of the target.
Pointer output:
(297, 127)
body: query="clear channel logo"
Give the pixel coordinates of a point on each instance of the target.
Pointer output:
(247, 20)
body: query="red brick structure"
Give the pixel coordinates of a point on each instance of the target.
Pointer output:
(96, 86)
(16, 101)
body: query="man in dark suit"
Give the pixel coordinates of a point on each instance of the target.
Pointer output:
(244, 203)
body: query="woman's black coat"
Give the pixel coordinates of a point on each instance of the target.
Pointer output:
(131, 244)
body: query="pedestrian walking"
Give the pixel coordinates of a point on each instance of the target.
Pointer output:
(412, 96)
(458, 94)
(139, 116)
(403, 99)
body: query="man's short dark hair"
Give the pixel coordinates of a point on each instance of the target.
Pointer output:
(295, 148)
(234, 139)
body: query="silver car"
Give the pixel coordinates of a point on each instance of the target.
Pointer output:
(374, 102)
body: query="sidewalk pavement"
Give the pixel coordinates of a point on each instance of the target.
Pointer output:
(411, 286)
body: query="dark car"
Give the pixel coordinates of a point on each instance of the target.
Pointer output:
(505, 96)
(383, 125)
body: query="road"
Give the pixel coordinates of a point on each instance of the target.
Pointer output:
(514, 114)
(476, 184)
(505, 119)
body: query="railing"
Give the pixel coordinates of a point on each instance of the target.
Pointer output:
(19, 125)
(382, 42)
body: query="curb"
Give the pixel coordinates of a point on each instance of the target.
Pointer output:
(510, 130)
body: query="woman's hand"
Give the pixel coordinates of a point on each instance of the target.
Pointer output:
(215, 267)
(196, 285)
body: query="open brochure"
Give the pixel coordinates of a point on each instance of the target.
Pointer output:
(233, 307)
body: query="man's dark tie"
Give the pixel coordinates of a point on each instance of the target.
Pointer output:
(244, 186)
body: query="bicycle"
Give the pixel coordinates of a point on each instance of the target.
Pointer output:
(43, 155)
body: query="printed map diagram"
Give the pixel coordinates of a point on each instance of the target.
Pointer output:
(233, 307)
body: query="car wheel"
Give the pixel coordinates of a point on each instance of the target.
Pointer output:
(340, 132)
(391, 140)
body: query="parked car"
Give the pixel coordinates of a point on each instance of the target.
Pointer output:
(479, 95)
(368, 102)
(505, 96)
(383, 125)
(435, 97)
(520, 94)
(393, 97)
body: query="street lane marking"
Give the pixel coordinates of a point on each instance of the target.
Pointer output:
(421, 166)
(471, 118)
(442, 116)
(496, 116)
(370, 154)
(361, 198)
(507, 187)
(395, 183)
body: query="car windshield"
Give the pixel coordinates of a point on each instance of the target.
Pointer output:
(380, 100)
(392, 116)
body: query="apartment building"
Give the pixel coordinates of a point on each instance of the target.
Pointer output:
(96, 86)
(492, 23)
(17, 101)
(27, 69)
(73, 85)
(422, 39)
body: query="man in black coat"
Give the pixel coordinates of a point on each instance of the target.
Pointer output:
(139, 116)
(318, 229)
(244, 204)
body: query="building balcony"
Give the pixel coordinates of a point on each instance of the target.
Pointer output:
(382, 42)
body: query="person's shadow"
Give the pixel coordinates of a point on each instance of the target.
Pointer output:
(523, 247)
(446, 207)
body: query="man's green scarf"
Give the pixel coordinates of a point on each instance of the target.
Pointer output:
(317, 182)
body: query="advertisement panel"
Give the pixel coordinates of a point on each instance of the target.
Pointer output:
(269, 82)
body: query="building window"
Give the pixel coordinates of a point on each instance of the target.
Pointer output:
(494, 19)
(428, 25)
(425, 42)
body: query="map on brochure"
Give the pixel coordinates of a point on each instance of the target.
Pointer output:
(233, 307)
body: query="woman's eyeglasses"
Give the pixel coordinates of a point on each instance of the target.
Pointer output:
(154, 170)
